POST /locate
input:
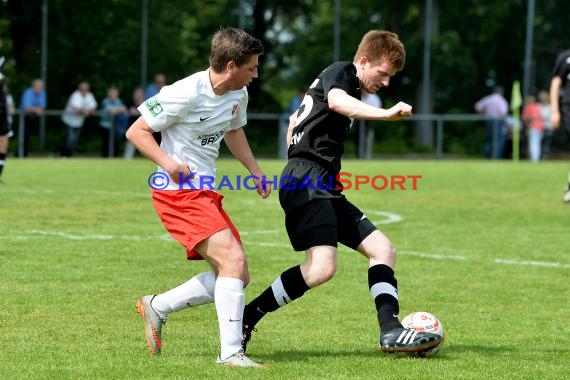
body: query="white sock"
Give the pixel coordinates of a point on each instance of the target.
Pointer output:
(229, 300)
(196, 291)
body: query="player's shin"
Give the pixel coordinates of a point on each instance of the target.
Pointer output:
(286, 288)
(198, 290)
(384, 290)
(229, 300)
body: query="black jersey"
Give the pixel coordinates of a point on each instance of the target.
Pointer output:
(562, 70)
(320, 133)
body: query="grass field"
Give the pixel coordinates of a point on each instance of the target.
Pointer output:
(484, 245)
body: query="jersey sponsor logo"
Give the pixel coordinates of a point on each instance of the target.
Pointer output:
(154, 106)
(234, 110)
(204, 118)
(211, 138)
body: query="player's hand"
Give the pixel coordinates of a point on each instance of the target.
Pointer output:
(263, 186)
(400, 111)
(178, 172)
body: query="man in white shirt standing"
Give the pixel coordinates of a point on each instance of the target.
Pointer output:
(81, 104)
(193, 115)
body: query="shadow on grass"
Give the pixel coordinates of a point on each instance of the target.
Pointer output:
(447, 352)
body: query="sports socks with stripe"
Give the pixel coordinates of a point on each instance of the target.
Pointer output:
(289, 286)
(384, 290)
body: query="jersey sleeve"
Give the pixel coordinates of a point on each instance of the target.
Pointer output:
(340, 76)
(240, 119)
(560, 64)
(165, 108)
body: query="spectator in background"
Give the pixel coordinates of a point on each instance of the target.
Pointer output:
(154, 88)
(494, 106)
(80, 105)
(10, 109)
(534, 125)
(32, 106)
(560, 101)
(4, 125)
(545, 110)
(137, 98)
(368, 125)
(115, 118)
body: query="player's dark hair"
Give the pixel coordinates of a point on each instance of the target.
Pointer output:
(231, 44)
(381, 45)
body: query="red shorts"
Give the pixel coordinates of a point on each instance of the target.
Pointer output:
(192, 216)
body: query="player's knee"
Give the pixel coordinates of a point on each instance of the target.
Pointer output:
(385, 253)
(321, 274)
(235, 265)
(389, 251)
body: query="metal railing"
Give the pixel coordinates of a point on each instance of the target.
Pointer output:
(438, 119)
(42, 130)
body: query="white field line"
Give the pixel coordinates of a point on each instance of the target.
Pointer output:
(84, 192)
(388, 218)
(260, 232)
(32, 234)
(430, 255)
(35, 234)
(532, 263)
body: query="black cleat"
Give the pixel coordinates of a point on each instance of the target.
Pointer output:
(246, 336)
(408, 340)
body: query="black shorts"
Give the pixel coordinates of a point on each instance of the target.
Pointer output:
(315, 216)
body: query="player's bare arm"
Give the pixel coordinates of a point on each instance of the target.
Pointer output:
(555, 85)
(340, 102)
(238, 145)
(140, 134)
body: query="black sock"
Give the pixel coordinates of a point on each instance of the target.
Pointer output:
(2, 161)
(384, 287)
(286, 288)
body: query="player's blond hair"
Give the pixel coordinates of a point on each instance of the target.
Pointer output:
(231, 44)
(381, 45)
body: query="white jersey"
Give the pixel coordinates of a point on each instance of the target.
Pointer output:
(192, 120)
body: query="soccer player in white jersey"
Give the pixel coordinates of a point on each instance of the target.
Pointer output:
(193, 115)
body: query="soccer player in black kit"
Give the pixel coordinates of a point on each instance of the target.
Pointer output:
(319, 217)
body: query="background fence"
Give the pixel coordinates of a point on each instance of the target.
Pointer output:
(266, 133)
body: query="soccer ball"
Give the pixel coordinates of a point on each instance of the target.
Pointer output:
(424, 322)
